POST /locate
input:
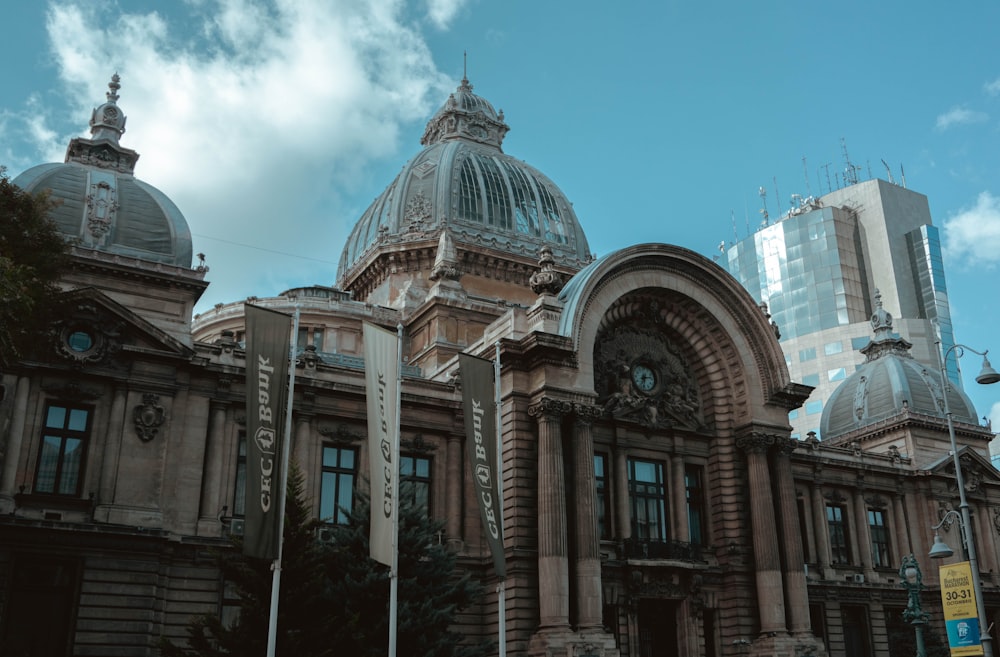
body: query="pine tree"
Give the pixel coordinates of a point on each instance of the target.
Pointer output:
(334, 598)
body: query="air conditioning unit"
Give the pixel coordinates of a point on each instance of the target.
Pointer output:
(236, 526)
(324, 534)
(859, 578)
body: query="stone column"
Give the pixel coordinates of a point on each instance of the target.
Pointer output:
(623, 511)
(15, 440)
(588, 543)
(212, 485)
(900, 539)
(770, 590)
(987, 551)
(111, 454)
(553, 556)
(453, 488)
(863, 541)
(821, 531)
(796, 591)
(678, 497)
(301, 443)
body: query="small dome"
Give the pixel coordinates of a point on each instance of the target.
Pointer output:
(101, 204)
(889, 382)
(463, 181)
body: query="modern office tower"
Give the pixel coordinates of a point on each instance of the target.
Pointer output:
(821, 267)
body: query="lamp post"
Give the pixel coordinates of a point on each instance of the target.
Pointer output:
(911, 579)
(940, 550)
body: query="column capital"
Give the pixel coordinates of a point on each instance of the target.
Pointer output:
(757, 442)
(586, 413)
(550, 407)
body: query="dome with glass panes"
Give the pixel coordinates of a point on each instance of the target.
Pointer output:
(462, 199)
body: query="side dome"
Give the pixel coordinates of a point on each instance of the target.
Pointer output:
(463, 184)
(889, 382)
(101, 205)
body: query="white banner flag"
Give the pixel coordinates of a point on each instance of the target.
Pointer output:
(382, 388)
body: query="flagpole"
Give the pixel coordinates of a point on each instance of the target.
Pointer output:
(502, 587)
(272, 621)
(394, 569)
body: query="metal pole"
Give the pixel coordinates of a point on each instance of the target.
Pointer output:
(394, 569)
(966, 524)
(272, 619)
(501, 588)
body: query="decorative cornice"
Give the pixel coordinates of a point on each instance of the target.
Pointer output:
(550, 408)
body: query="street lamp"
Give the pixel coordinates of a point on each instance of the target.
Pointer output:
(909, 573)
(940, 550)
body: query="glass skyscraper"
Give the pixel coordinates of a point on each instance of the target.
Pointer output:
(818, 268)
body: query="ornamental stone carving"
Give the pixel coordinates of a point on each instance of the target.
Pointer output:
(85, 336)
(550, 408)
(641, 376)
(546, 280)
(758, 442)
(148, 417)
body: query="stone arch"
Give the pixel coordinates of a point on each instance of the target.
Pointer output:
(740, 365)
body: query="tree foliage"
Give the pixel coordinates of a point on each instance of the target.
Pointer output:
(33, 254)
(334, 598)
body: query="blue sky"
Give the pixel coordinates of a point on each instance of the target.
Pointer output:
(273, 124)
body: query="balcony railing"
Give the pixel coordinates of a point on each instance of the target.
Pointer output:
(644, 548)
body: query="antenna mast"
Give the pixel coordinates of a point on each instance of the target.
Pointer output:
(888, 171)
(805, 174)
(763, 201)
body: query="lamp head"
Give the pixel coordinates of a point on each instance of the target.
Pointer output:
(940, 549)
(987, 375)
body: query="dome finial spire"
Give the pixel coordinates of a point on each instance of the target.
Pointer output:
(114, 86)
(465, 86)
(107, 121)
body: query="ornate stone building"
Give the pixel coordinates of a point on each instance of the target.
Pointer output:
(654, 502)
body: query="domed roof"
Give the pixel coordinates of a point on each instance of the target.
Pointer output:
(101, 204)
(462, 181)
(889, 382)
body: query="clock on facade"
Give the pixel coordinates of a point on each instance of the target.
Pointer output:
(643, 377)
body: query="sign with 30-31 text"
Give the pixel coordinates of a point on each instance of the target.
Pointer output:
(961, 616)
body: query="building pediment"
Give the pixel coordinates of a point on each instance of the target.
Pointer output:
(93, 329)
(976, 469)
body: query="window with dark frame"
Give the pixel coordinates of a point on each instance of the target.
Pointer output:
(337, 484)
(415, 482)
(880, 538)
(63, 450)
(801, 506)
(601, 495)
(240, 487)
(837, 527)
(647, 496)
(695, 491)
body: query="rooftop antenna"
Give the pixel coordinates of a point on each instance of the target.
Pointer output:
(763, 200)
(777, 196)
(746, 213)
(805, 174)
(732, 214)
(465, 65)
(826, 167)
(851, 172)
(903, 174)
(888, 171)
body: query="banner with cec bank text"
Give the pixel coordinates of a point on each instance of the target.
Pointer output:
(382, 367)
(267, 348)
(478, 403)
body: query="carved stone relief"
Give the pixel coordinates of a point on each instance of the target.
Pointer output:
(640, 375)
(148, 417)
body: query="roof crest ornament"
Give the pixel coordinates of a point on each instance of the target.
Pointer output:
(107, 125)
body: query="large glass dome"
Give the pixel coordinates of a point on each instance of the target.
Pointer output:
(462, 181)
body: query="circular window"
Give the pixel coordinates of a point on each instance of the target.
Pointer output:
(80, 341)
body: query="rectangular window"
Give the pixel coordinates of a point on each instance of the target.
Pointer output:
(831, 348)
(415, 482)
(813, 407)
(695, 490)
(240, 494)
(810, 380)
(601, 493)
(337, 484)
(860, 343)
(807, 354)
(837, 528)
(647, 495)
(838, 374)
(880, 538)
(801, 506)
(63, 448)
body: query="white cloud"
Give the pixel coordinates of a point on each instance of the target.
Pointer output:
(972, 236)
(959, 116)
(256, 117)
(442, 12)
(992, 88)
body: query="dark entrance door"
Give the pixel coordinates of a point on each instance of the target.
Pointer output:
(40, 605)
(657, 628)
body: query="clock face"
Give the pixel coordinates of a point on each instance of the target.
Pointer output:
(643, 377)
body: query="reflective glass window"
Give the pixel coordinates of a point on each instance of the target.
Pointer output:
(813, 407)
